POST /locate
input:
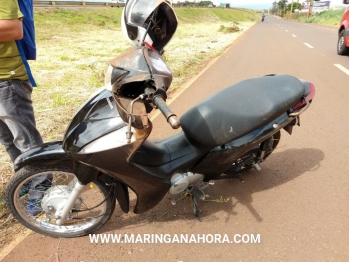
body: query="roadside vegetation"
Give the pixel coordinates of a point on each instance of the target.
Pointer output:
(75, 47)
(282, 7)
(290, 11)
(332, 17)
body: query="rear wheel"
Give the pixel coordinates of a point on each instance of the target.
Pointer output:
(35, 193)
(247, 161)
(342, 49)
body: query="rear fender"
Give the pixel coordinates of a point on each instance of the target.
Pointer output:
(290, 126)
(47, 154)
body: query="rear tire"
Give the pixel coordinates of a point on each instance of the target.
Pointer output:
(93, 208)
(240, 166)
(342, 49)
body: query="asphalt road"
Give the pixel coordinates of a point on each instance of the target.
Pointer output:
(297, 204)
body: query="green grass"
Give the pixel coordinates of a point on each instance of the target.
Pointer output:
(59, 100)
(325, 18)
(55, 21)
(200, 15)
(97, 17)
(110, 17)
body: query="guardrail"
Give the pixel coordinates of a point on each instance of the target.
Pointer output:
(76, 3)
(96, 3)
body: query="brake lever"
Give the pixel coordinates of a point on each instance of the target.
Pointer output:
(129, 132)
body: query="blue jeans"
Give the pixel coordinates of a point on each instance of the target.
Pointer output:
(18, 130)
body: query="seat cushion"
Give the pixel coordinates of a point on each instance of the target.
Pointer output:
(241, 108)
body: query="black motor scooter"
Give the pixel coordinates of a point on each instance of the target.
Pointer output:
(106, 150)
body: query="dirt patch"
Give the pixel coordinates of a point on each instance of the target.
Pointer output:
(229, 29)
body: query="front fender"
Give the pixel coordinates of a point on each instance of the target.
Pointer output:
(47, 154)
(52, 153)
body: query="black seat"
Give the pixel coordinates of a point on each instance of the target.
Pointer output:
(241, 108)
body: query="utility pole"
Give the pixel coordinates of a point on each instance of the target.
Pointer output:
(311, 8)
(291, 7)
(285, 7)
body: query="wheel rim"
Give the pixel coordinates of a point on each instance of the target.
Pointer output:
(89, 209)
(239, 167)
(341, 43)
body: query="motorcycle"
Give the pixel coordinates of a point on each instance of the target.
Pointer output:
(106, 150)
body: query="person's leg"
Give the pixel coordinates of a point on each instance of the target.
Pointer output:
(6, 139)
(17, 114)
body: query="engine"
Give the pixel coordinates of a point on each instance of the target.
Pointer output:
(180, 181)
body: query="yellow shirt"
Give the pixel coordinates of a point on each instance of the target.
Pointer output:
(11, 65)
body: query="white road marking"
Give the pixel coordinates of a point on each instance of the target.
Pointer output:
(329, 29)
(342, 68)
(294, 35)
(308, 45)
(286, 30)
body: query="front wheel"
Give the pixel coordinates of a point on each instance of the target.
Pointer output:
(35, 193)
(342, 49)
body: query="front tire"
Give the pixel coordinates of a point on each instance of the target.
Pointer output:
(92, 209)
(342, 49)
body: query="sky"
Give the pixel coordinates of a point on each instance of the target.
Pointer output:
(261, 4)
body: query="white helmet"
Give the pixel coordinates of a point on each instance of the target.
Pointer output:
(138, 15)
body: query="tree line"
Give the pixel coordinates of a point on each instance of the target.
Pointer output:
(283, 7)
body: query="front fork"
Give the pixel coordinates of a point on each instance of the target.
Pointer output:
(63, 212)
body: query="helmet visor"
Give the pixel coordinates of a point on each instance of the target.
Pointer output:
(141, 10)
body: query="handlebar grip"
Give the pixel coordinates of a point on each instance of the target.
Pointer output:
(166, 111)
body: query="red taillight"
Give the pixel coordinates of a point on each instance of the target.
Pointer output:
(309, 97)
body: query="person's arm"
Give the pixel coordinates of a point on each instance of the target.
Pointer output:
(10, 21)
(11, 30)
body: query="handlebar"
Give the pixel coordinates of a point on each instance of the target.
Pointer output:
(166, 111)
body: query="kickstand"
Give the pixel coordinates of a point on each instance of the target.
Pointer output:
(240, 178)
(195, 208)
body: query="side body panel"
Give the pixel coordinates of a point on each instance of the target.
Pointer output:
(85, 142)
(218, 160)
(115, 162)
